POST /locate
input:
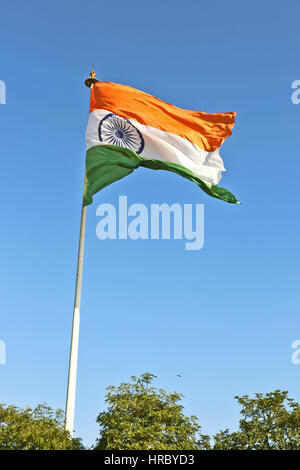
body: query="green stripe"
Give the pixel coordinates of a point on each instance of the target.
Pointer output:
(108, 163)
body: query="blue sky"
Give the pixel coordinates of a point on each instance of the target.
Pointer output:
(223, 317)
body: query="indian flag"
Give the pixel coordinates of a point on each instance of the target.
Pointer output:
(128, 128)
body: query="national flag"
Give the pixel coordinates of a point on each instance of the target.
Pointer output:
(128, 128)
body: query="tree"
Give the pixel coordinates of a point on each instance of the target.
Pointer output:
(40, 428)
(270, 422)
(141, 417)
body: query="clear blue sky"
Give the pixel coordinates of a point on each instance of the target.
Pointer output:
(223, 317)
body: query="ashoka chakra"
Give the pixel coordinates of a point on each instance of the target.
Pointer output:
(115, 130)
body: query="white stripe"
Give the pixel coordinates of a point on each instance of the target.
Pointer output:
(161, 145)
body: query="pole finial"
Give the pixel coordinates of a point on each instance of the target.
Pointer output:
(92, 79)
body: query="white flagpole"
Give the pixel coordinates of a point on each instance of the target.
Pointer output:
(71, 390)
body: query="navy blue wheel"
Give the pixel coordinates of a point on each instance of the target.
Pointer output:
(115, 130)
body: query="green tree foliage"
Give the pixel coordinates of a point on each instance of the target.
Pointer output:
(140, 416)
(270, 422)
(40, 428)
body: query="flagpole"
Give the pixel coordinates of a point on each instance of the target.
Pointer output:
(71, 389)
